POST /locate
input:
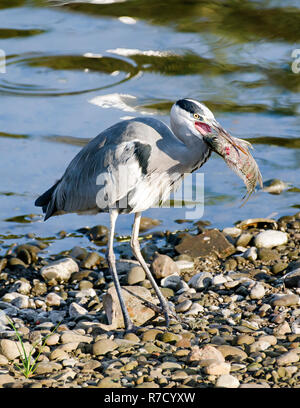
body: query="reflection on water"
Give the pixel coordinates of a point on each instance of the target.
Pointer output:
(74, 68)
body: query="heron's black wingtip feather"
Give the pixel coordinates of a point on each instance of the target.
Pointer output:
(45, 199)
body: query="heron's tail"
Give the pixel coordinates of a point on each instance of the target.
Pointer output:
(46, 202)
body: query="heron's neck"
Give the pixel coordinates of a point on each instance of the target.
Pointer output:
(196, 149)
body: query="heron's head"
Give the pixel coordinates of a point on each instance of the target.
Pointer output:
(192, 117)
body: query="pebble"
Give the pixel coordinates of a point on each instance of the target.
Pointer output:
(69, 362)
(282, 329)
(3, 360)
(47, 367)
(172, 282)
(227, 381)
(285, 300)
(272, 340)
(244, 339)
(169, 337)
(288, 358)
(251, 254)
(183, 306)
(134, 297)
(170, 365)
(217, 368)
(22, 287)
(296, 327)
(206, 353)
(275, 186)
(184, 265)
(75, 310)
(91, 260)
(90, 366)
(163, 266)
(72, 337)
(218, 280)
(59, 271)
(150, 335)
(279, 267)
(270, 239)
(39, 288)
(135, 275)
(53, 299)
(78, 253)
(244, 239)
(148, 223)
(200, 281)
(109, 382)
(254, 385)
(60, 354)
(210, 242)
(259, 345)
(104, 346)
(65, 375)
(268, 255)
(11, 349)
(227, 350)
(257, 291)
(232, 231)
(292, 279)
(195, 309)
(6, 379)
(53, 339)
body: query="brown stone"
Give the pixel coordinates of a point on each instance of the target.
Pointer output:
(232, 351)
(134, 297)
(206, 354)
(210, 242)
(163, 266)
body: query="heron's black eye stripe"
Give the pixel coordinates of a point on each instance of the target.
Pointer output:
(188, 105)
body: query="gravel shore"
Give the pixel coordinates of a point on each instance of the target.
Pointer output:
(234, 294)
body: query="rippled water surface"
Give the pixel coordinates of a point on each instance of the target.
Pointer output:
(74, 68)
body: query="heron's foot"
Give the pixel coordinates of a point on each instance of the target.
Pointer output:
(131, 328)
(169, 312)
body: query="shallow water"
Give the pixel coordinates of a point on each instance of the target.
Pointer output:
(74, 68)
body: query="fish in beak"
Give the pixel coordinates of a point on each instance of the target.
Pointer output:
(234, 151)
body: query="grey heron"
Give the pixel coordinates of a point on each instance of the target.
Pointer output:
(131, 166)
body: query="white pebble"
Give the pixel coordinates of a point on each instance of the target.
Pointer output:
(227, 381)
(76, 310)
(86, 293)
(195, 309)
(241, 249)
(53, 299)
(232, 231)
(251, 254)
(257, 292)
(60, 270)
(218, 280)
(296, 327)
(182, 264)
(23, 287)
(270, 239)
(200, 281)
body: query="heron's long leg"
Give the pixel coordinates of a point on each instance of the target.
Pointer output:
(111, 259)
(137, 253)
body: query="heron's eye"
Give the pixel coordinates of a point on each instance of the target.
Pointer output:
(196, 116)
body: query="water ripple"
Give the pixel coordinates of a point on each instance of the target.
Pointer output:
(67, 72)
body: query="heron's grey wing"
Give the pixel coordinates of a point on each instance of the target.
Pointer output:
(100, 176)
